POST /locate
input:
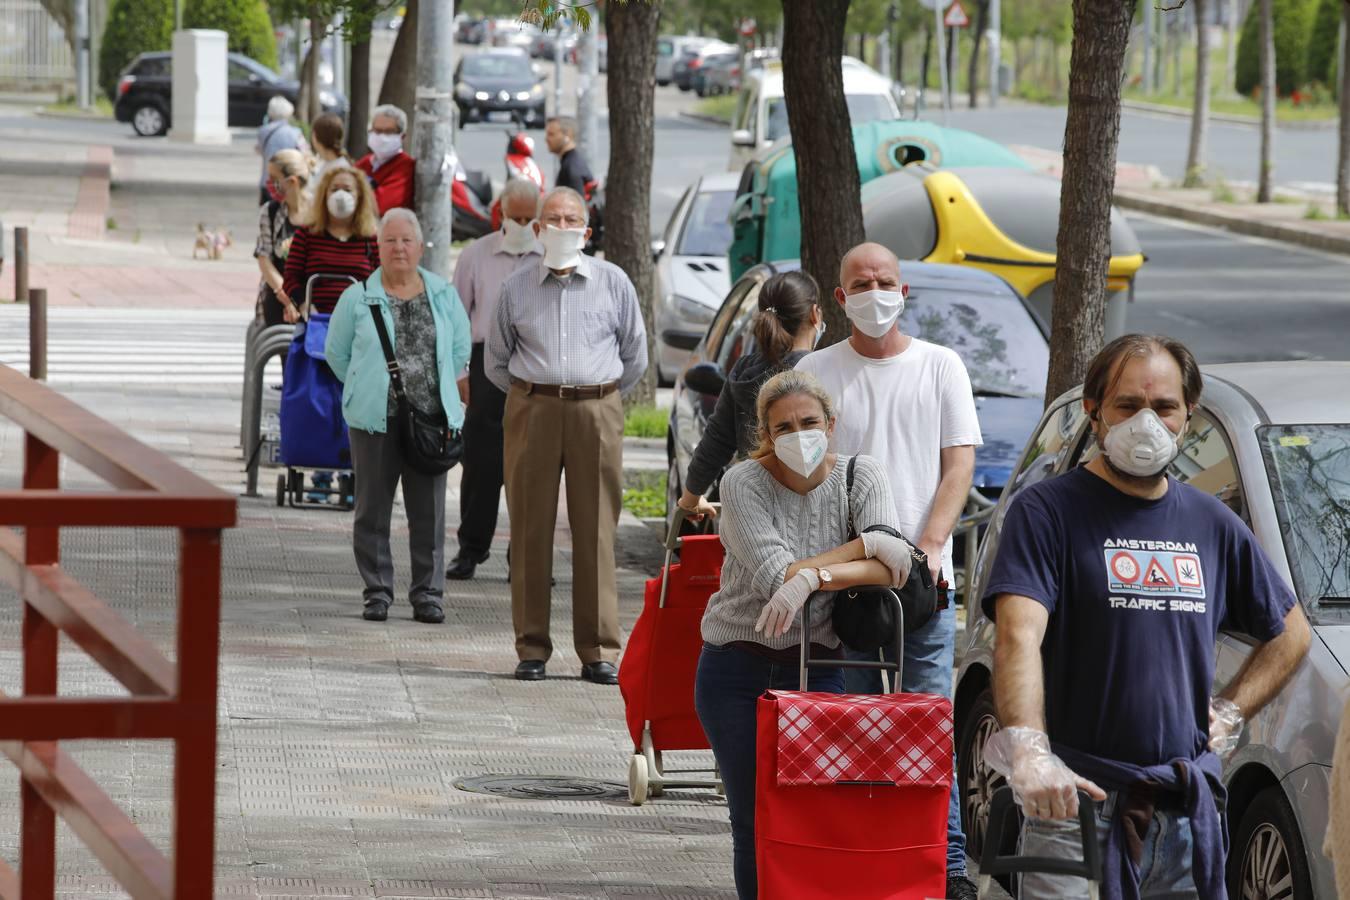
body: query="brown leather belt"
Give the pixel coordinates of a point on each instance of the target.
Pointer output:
(567, 391)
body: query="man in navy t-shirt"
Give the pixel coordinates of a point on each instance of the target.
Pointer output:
(1108, 590)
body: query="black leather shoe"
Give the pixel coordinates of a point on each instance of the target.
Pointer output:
(428, 612)
(376, 611)
(959, 887)
(600, 673)
(531, 670)
(463, 566)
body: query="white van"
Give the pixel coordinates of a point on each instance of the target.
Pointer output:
(761, 110)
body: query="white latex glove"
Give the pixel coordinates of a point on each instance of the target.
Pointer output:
(777, 615)
(1042, 784)
(894, 553)
(1225, 726)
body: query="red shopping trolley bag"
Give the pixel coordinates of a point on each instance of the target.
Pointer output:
(852, 792)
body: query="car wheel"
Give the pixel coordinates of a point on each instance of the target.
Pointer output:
(1267, 861)
(149, 121)
(977, 781)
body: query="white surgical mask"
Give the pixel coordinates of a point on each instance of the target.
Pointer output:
(384, 146)
(562, 246)
(801, 451)
(517, 238)
(1141, 445)
(874, 312)
(341, 204)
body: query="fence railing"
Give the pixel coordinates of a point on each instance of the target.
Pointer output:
(167, 701)
(33, 47)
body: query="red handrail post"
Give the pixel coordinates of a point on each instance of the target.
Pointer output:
(198, 679)
(42, 546)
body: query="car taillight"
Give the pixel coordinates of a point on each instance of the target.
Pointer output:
(695, 63)
(735, 71)
(124, 84)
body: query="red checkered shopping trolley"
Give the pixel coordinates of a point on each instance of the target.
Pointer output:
(852, 791)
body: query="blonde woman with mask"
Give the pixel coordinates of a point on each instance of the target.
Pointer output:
(785, 527)
(288, 172)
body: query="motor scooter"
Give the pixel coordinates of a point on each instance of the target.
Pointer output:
(476, 213)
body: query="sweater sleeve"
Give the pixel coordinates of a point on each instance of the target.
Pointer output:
(718, 444)
(749, 532)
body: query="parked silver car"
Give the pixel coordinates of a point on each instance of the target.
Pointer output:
(1272, 441)
(691, 278)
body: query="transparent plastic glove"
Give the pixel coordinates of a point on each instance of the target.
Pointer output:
(778, 613)
(894, 553)
(1225, 726)
(1042, 784)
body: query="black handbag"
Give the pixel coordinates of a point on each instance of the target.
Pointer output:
(425, 442)
(864, 618)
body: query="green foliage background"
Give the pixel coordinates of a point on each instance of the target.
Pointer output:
(245, 21)
(1293, 27)
(134, 27)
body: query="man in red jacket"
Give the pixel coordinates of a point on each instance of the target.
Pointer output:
(392, 172)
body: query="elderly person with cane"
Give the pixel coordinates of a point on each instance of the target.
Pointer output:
(429, 331)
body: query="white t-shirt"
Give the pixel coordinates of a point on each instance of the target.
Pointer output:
(903, 411)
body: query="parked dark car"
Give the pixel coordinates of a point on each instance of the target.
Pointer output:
(499, 85)
(145, 98)
(471, 31)
(706, 77)
(1003, 344)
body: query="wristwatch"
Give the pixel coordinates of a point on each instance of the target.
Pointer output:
(825, 576)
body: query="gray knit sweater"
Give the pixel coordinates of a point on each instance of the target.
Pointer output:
(766, 527)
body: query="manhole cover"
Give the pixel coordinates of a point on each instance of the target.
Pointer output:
(542, 787)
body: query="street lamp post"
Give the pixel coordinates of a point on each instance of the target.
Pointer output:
(995, 49)
(433, 130)
(82, 53)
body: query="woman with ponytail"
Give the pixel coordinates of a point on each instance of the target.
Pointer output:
(786, 328)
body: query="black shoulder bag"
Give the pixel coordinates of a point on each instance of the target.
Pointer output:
(865, 619)
(426, 443)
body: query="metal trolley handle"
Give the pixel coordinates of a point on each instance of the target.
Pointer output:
(309, 288)
(1001, 806)
(673, 543)
(881, 664)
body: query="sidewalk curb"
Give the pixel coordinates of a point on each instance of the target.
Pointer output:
(1289, 234)
(706, 120)
(71, 114)
(1227, 118)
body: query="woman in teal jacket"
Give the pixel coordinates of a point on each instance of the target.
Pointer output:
(429, 330)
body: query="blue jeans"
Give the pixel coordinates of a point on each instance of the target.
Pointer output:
(729, 682)
(1164, 865)
(929, 661)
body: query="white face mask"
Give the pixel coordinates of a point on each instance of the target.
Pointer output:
(874, 312)
(517, 238)
(1141, 445)
(562, 246)
(801, 451)
(341, 204)
(384, 146)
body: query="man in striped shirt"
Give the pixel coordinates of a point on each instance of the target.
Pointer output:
(567, 342)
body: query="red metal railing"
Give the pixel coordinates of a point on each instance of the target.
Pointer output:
(171, 702)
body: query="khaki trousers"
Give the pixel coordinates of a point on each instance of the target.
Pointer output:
(543, 438)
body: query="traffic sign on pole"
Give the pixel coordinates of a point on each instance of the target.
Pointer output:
(956, 17)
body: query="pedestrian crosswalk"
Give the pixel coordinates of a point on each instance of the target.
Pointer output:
(132, 346)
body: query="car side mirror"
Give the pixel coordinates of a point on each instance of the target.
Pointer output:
(705, 378)
(742, 137)
(658, 247)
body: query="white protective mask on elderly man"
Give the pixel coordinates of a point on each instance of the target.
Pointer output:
(384, 146)
(874, 312)
(517, 238)
(562, 246)
(801, 451)
(341, 204)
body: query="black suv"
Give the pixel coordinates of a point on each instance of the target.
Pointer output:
(144, 92)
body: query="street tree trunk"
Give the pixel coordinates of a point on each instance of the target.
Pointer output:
(1343, 154)
(313, 107)
(1197, 154)
(828, 186)
(927, 55)
(1267, 171)
(400, 78)
(1101, 29)
(631, 91)
(973, 70)
(1230, 63)
(359, 116)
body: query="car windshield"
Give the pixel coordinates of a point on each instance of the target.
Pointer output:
(994, 335)
(484, 66)
(861, 108)
(1309, 471)
(706, 230)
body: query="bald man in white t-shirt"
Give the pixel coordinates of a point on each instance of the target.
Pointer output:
(907, 403)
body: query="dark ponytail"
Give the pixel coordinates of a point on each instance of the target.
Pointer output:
(785, 303)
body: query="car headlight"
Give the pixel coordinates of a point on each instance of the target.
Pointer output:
(692, 310)
(463, 91)
(481, 95)
(523, 95)
(536, 91)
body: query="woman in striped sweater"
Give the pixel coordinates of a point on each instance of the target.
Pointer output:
(338, 239)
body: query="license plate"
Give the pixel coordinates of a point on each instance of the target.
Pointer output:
(270, 453)
(499, 116)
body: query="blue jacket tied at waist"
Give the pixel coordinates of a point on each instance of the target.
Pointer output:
(1197, 782)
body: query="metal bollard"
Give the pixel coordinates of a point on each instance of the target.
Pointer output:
(20, 265)
(37, 334)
